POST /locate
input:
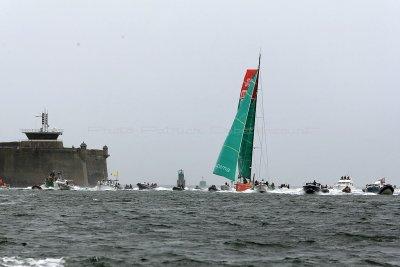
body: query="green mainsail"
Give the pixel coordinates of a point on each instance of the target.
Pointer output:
(246, 148)
(229, 155)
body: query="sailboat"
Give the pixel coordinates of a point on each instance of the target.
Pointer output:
(237, 151)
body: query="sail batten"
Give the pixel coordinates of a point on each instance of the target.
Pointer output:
(237, 151)
(231, 150)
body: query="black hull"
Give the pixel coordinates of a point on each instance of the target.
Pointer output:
(177, 188)
(311, 189)
(37, 187)
(213, 188)
(386, 190)
(146, 186)
(381, 190)
(371, 190)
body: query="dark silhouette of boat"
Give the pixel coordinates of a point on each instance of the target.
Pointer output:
(178, 188)
(38, 187)
(213, 188)
(147, 186)
(347, 189)
(284, 186)
(379, 187)
(324, 189)
(312, 188)
(386, 189)
(128, 187)
(180, 184)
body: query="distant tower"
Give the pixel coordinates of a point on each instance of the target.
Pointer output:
(43, 133)
(181, 179)
(105, 152)
(203, 184)
(83, 146)
(83, 151)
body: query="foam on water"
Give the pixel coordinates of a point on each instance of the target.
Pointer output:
(299, 191)
(79, 188)
(18, 261)
(291, 191)
(198, 190)
(160, 188)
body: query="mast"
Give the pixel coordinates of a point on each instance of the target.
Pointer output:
(263, 159)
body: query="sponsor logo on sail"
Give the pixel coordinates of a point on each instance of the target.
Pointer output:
(219, 166)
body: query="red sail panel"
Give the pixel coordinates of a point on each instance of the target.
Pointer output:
(247, 78)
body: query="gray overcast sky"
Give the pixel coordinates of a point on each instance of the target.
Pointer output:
(158, 82)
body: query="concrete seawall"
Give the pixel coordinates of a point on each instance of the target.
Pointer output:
(27, 163)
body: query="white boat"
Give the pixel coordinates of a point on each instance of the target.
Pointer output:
(344, 184)
(380, 187)
(108, 184)
(225, 187)
(63, 184)
(261, 187)
(55, 182)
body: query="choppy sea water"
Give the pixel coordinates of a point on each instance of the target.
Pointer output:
(117, 228)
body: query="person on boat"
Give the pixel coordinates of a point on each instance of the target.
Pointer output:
(267, 184)
(244, 180)
(256, 183)
(51, 177)
(314, 182)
